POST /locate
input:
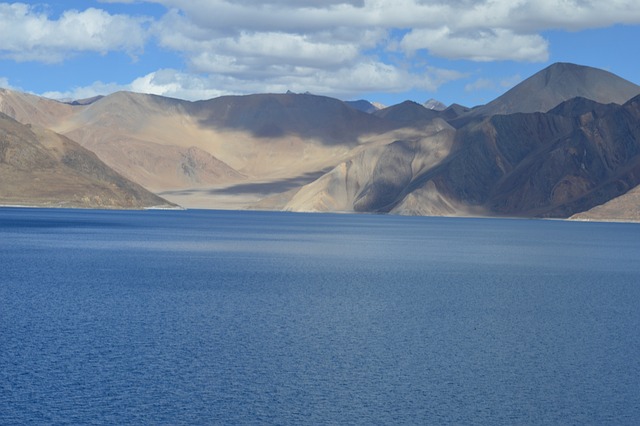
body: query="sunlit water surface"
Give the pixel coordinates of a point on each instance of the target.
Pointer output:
(204, 317)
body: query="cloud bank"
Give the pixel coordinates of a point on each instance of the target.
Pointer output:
(333, 47)
(30, 35)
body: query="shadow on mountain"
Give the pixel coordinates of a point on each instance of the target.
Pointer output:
(278, 115)
(272, 187)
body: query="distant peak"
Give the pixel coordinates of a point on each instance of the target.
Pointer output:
(435, 105)
(562, 65)
(289, 92)
(87, 101)
(363, 105)
(557, 83)
(559, 68)
(409, 102)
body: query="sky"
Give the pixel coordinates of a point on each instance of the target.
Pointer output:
(387, 51)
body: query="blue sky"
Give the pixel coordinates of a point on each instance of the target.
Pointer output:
(387, 51)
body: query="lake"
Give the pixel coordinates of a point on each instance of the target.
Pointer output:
(214, 317)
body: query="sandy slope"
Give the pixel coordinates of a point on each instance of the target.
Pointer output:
(379, 176)
(41, 168)
(623, 208)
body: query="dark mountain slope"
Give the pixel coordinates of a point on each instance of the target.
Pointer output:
(408, 113)
(525, 164)
(453, 111)
(553, 85)
(547, 165)
(362, 105)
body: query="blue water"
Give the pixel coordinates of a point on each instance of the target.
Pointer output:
(204, 317)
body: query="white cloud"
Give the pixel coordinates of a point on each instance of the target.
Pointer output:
(206, 46)
(572, 15)
(480, 84)
(86, 92)
(180, 85)
(493, 85)
(29, 35)
(4, 83)
(479, 30)
(489, 84)
(298, 31)
(329, 47)
(479, 45)
(344, 83)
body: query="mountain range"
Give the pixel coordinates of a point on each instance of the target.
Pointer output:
(563, 143)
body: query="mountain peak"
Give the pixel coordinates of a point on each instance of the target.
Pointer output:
(407, 113)
(435, 105)
(363, 105)
(558, 83)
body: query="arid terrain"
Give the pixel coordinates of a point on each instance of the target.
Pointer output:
(563, 143)
(41, 168)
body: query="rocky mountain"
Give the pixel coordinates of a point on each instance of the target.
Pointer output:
(41, 168)
(209, 149)
(558, 144)
(408, 114)
(556, 164)
(149, 139)
(547, 165)
(379, 176)
(553, 85)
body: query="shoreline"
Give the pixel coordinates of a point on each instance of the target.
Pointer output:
(180, 208)
(27, 206)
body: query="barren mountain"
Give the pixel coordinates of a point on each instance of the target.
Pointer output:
(625, 208)
(556, 144)
(31, 109)
(532, 165)
(547, 164)
(408, 114)
(41, 168)
(379, 176)
(452, 112)
(320, 118)
(555, 84)
(170, 145)
(149, 139)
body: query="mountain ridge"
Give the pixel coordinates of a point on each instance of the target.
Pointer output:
(558, 143)
(522, 164)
